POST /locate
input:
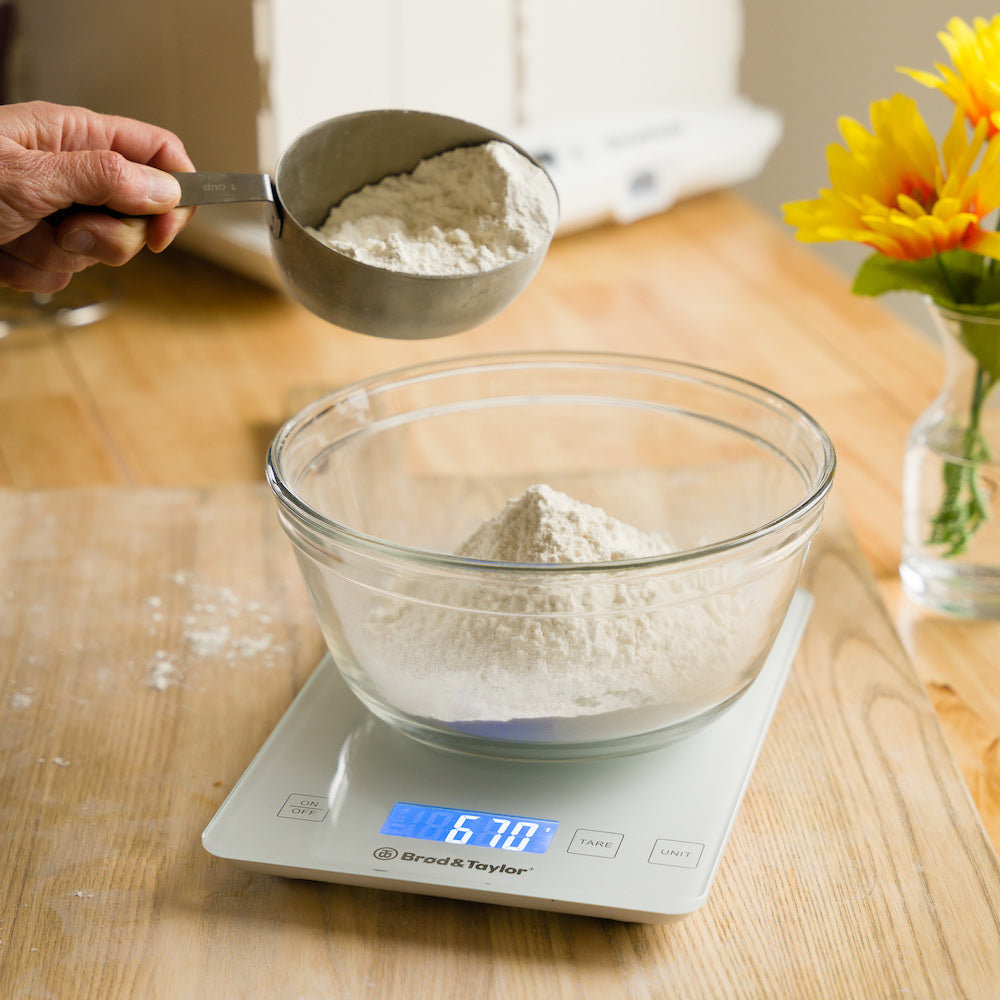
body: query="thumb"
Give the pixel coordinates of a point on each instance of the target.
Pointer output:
(104, 177)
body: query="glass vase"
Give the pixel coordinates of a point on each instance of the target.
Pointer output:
(951, 477)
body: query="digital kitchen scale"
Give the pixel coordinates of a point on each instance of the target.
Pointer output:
(336, 795)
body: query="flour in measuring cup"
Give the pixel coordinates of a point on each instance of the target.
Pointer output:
(469, 209)
(537, 648)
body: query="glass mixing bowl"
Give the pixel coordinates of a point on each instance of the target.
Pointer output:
(379, 483)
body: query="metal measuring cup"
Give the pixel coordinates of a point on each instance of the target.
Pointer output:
(324, 165)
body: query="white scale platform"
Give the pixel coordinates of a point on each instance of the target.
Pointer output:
(633, 838)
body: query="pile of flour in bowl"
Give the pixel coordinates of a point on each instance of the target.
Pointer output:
(469, 209)
(504, 647)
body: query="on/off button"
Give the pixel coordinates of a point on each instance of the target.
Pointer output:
(309, 807)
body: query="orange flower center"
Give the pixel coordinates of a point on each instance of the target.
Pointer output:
(920, 191)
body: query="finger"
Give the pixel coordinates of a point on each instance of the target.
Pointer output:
(34, 185)
(162, 229)
(79, 241)
(40, 250)
(57, 128)
(104, 177)
(101, 238)
(24, 277)
(135, 140)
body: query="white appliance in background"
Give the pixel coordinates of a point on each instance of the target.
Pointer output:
(620, 166)
(609, 167)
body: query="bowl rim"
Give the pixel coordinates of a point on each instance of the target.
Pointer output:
(352, 538)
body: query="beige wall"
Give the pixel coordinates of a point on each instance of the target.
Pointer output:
(187, 65)
(814, 61)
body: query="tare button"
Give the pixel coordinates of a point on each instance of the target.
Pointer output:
(676, 853)
(597, 843)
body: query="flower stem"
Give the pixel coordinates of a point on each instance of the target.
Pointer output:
(964, 505)
(952, 290)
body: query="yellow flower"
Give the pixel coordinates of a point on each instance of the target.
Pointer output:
(890, 191)
(972, 84)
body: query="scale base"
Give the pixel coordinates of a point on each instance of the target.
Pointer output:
(632, 838)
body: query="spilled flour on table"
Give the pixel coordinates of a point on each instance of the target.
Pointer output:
(220, 625)
(569, 646)
(163, 672)
(21, 700)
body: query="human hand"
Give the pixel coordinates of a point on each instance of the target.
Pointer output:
(53, 157)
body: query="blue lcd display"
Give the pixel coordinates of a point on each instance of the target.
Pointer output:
(468, 828)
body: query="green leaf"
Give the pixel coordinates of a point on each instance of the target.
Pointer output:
(982, 341)
(880, 274)
(957, 279)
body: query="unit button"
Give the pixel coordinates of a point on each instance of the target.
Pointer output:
(676, 853)
(597, 843)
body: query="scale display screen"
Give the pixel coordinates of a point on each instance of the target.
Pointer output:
(501, 831)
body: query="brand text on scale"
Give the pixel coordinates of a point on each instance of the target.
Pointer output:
(450, 862)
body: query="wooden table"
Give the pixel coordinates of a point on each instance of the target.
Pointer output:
(132, 450)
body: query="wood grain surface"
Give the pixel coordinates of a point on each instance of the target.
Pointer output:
(153, 637)
(184, 384)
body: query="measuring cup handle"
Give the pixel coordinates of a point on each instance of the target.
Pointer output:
(197, 188)
(207, 188)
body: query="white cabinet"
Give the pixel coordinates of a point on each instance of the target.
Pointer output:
(498, 62)
(232, 76)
